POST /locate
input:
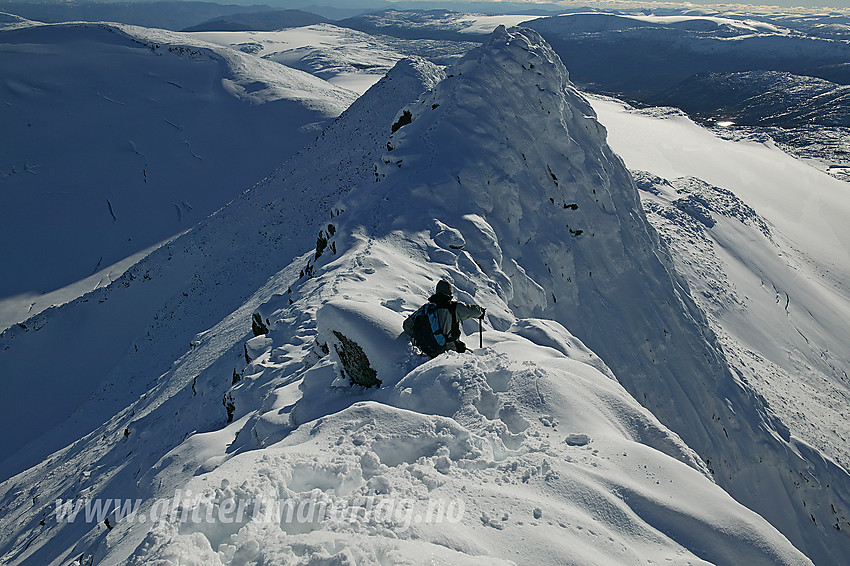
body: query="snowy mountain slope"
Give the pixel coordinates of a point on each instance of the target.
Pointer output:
(710, 44)
(529, 445)
(341, 56)
(834, 24)
(162, 302)
(784, 331)
(777, 297)
(721, 41)
(543, 451)
(591, 22)
(778, 286)
(475, 419)
(824, 148)
(804, 205)
(165, 14)
(418, 189)
(586, 257)
(480, 24)
(124, 137)
(432, 24)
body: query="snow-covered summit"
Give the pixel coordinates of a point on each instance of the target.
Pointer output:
(488, 429)
(511, 161)
(507, 138)
(534, 447)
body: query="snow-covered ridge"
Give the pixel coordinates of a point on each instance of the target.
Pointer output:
(341, 56)
(440, 20)
(584, 254)
(199, 289)
(594, 22)
(442, 24)
(479, 24)
(156, 299)
(527, 435)
(500, 179)
(282, 82)
(502, 415)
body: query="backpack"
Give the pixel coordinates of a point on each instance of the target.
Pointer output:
(427, 334)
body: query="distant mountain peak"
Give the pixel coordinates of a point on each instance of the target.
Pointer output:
(260, 21)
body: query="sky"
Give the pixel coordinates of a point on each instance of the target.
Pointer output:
(515, 6)
(842, 5)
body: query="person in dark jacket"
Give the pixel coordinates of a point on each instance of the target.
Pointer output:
(450, 314)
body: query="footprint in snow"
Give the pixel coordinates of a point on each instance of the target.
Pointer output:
(577, 439)
(394, 304)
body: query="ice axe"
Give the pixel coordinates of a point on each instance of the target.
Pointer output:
(481, 329)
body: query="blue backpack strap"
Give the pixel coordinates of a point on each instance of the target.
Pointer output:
(436, 329)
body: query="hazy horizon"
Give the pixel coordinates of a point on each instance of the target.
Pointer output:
(490, 5)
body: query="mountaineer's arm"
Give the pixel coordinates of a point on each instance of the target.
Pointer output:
(465, 311)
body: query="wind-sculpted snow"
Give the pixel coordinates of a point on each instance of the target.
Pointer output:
(539, 446)
(502, 250)
(526, 450)
(573, 243)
